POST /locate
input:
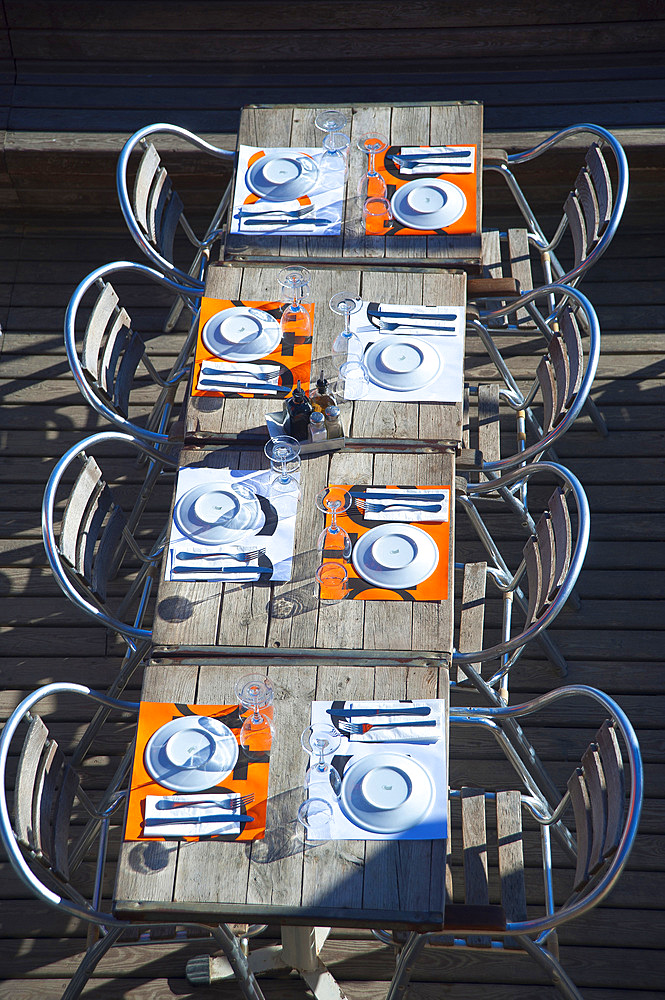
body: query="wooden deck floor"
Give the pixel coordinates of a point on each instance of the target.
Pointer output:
(615, 641)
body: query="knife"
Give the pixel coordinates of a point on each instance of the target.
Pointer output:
(262, 570)
(387, 313)
(453, 154)
(352, 713)
(239, 556)
(288, 222)
(397, 494)
(216, 383)
(216, 818)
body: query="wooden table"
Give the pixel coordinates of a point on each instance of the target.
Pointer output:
(255, 621)
(387, 425)
(282, 879)
(436, 124)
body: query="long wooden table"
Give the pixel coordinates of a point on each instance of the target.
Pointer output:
(377, 425)
(458, 122)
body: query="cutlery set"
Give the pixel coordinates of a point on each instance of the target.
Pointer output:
(230, 811)
(350, 728)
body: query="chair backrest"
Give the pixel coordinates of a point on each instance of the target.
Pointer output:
(560, 371)
(157, 206)
(588, 207)
(547, 556)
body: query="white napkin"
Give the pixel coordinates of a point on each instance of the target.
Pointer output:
(428, 318)
(403, 733)
(412, 514)
(446, 165)
(194, 822)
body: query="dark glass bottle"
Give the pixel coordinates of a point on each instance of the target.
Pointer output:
(322, 397)
(298, 409)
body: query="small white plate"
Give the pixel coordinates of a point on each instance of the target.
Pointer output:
(213, 514)
(395, 556)
(282, 176)
(428, 203)
(386, 792)
(402, 363)
(241, 334)
(191, 754)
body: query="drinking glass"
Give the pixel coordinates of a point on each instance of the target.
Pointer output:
(354, 378)
(295, 319)
(330, 121)
(283, 453)
(345, 304)
(372, 184)
(315, 815)
(333, 540)
(377, 214)
(324, 741)
(255, 692)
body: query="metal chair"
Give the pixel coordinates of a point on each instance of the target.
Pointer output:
(154, 213)
(559, 385)
(96, 538)
(46, 849)
(112, 359)
(591, 213)
(546, 568)
(605, 809)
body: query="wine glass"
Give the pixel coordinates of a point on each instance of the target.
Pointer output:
(333, 540)
(372, 184)
(315, 815)
(323, 741)
(332, 578)
(345, 304)
(255, 692)
(283, 452)
(377, 214)
(295, 319)
(330, 121)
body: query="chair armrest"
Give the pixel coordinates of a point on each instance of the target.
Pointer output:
(494, 157)
(492, 288)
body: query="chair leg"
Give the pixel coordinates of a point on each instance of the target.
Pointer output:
(596, 416)
(230, 945)
(89, 963)
(547, 961)
(406, 960)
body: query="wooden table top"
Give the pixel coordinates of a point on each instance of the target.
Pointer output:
(258, 620)
(413, 426)
(405, 125)
(398, 884)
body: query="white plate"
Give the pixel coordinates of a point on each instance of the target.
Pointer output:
(402, 363)
(386, 792)
(241, 334)
(395, 556)
(282, 176)
(213, 514)
(428, 203)
(191, 754)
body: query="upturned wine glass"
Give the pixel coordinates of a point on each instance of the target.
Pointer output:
(283, 453)
(295, 318)
(323, 741)
(255, 692)
(333, 540)
(345, 304)
(372, 184)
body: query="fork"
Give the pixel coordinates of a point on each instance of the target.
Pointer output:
(358, 728)
(239, 557)
(248, 373)
(231, 805)
(384, 508)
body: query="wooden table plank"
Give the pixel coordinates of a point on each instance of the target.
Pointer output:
(263, 618)
(283, 878)
(418, 426)
(436, 124)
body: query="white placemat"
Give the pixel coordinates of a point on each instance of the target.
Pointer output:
(447, 387)
(276, 539)
(427, 747)
(327, 199)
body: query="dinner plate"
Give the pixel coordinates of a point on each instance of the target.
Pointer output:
(282, 176)
(241, 334)
(395, 556)
(402, 363)
(213, 514)
(428, 203)
(386, 792)
(191, 753)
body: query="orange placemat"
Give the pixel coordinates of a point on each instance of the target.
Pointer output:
(293, 354)
(394, 180)
(247, 776)
(434, 588)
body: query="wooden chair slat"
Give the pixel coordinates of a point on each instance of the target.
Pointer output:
(519, 255)
(26, 777)
(103, 310)
(570, 334)
(534, 574)
(595, 782)
(157, 200)
(474, 836)
(119, 336)
(47, 789)
(559, 359)
(143, 183)
(62, 820)
(87, 488)
(547, 552)
(615, 783)
(511, 854)
(489, 431)
(563, 538)
(126, 373)
(169, 224)
(579, 797)
(586, 194)
(492, 266)
(472, 613)
(575, 216)
(466, 427)
(546, 376)
(602, 185)
(105, 556)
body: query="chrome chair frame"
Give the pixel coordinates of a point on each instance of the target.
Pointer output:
(197, 269)
(521, 402)
(536, 935)
(65, 897)
(79, 591)
(156, 430)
